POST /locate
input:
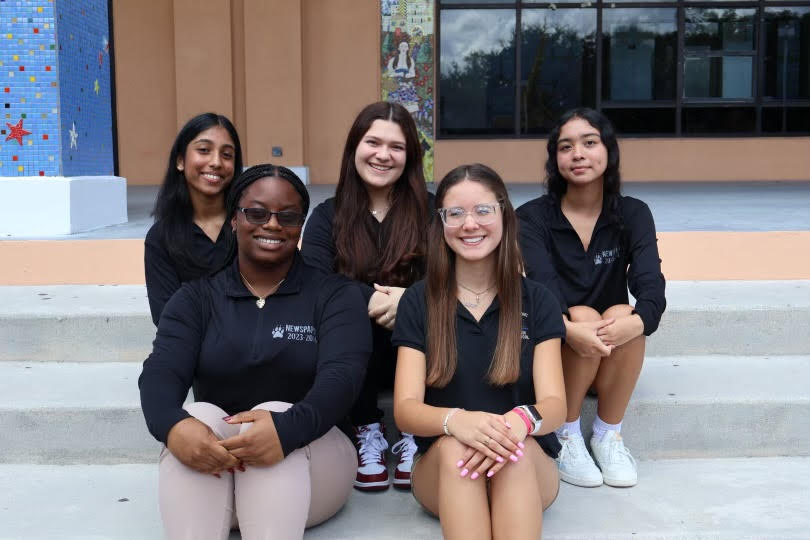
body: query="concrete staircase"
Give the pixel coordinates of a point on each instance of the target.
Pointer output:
(720, 424)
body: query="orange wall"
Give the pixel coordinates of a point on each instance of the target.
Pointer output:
(341, 76)
(772, 158)
(144, 87)
(294, 73)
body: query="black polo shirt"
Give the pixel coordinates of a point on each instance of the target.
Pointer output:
(164, 274)
(475, 345)
(617, 258)
(309, 346)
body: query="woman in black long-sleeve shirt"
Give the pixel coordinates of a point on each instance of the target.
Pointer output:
(276, 351)
(588, 243)
(373, 231)
(191, 236)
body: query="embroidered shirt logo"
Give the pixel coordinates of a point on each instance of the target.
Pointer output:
(295, 332)
(606, 256)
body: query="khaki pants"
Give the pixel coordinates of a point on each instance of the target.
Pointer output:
(308, 487)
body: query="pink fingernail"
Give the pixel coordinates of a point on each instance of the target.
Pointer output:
(499, 459)
(473, 476)
(513, 458)
(460, 463)
(490, 473)
(519, 452)
(464, 472)
(226, 418)
(521, 445)
(508, 425)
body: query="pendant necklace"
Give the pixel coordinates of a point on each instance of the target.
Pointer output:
(477, 296)
(379, 212)
(260, 300)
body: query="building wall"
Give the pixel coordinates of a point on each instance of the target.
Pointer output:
(294, 74)
(29, 91)
(84, 87)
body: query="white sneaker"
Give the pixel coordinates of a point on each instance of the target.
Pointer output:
(575, 464)
(372, 473)
(406, 448)
(618, 466)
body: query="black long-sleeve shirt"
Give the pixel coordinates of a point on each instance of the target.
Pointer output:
(308, 346)
(164, 274)
(599, 277)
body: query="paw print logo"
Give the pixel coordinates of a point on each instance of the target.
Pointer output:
(278, 332)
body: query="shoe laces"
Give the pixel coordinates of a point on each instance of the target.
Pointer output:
(572, 446)
(618, 453)
(372, 445)
(406, 446)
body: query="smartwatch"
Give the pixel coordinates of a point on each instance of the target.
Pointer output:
(534, 416)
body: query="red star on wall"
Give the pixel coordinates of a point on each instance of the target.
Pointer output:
(17, 132)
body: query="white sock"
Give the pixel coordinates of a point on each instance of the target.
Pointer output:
(572, 427)
(600, 427)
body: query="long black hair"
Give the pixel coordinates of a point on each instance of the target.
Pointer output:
(257, 172)
(173, 204)
(557, 185)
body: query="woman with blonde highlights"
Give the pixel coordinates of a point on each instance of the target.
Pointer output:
(479, 379)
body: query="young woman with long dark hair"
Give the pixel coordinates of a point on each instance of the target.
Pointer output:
(190, 237)
(589, 243)
(479, 379)
(373, 231)
(263, 342)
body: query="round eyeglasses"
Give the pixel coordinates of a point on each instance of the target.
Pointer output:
(260, 216)
(482, 214)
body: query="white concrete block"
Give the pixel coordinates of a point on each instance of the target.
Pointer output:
(57, 205)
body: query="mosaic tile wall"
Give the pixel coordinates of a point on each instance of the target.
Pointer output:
(29, 92)
(84, 79)
(54, 75)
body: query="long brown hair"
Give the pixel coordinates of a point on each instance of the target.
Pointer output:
(441, 288)
(360, 253)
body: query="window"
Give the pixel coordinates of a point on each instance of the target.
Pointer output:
(509, 68)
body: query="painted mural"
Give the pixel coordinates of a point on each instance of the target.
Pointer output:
(407, 64)
(55, 91)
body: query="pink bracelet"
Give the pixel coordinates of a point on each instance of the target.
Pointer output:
(522, 415)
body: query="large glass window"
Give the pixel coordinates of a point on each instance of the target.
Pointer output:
(558, 64)
(477, 72)
(639, 54)
(509, 68)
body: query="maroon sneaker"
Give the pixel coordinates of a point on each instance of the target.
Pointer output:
(406, 448)
(372, 473)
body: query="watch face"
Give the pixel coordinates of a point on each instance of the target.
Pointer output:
(534, 413)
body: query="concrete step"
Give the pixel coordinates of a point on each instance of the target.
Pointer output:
(98, 323)
(700, 499)
(686, 406)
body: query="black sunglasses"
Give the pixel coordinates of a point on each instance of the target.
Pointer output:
(260, 216)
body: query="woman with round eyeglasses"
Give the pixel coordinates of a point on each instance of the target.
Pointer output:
(263, 344)
(191, 237)
(373, 231)
(479, 380)
(589, 244)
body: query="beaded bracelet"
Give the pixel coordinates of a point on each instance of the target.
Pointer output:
(447, 418)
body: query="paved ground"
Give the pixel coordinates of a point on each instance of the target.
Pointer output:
(676, 206)
(698, 499)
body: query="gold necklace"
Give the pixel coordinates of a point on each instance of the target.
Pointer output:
(477, 295)
(259, 298)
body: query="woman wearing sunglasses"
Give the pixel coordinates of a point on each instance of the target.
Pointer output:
(190, 237)
(263, 344)
(373, 231)
(479, 380)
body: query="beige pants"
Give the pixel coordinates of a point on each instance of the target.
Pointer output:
(308, 487)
